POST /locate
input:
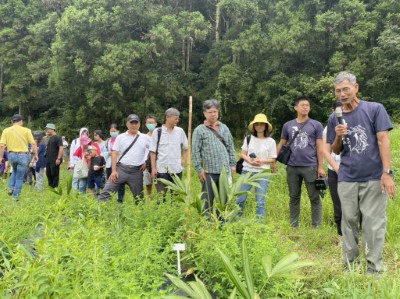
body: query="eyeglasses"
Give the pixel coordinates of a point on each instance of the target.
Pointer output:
(345, 90)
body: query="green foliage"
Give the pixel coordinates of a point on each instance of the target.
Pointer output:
(90, 63)
(195, 290)
(69, 245)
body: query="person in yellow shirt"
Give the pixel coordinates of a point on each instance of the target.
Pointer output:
(17, 139)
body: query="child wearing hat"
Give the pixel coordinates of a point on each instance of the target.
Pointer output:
(97, 165)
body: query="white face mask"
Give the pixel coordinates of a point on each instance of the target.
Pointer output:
(114, 134)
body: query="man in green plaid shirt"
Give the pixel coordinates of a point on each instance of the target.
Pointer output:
(212, 150)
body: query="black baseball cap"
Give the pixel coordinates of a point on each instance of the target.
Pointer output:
(132, 118)
(16, 118)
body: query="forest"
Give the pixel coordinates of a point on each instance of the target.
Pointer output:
(92, 62)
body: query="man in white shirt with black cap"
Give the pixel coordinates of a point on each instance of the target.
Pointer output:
(128, 158)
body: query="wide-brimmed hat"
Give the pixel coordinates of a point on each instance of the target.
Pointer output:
(51, 126)
(260, 118)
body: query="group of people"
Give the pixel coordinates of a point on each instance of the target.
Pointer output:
(24, 151)
(356, 147)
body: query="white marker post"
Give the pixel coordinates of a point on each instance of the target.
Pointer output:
(178, 248)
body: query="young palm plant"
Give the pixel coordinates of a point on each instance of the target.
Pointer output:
(224, 195)
(283, 269)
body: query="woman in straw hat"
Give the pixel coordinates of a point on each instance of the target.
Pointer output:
(258, 153)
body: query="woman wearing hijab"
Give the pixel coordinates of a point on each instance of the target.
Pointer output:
(258, 153)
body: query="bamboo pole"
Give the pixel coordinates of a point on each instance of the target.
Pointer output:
(189, 170)
(189, 158)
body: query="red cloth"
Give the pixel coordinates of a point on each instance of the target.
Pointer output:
(80, 150)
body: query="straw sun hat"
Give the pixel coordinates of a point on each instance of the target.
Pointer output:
(260, 118)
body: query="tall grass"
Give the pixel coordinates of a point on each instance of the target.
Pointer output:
(71, 246)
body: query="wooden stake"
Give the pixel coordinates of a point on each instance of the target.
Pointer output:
(189, 159)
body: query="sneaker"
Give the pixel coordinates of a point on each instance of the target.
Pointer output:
(10, 191)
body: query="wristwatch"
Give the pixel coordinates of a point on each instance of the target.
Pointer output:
(389, 172)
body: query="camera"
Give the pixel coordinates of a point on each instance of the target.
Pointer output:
(321, 183)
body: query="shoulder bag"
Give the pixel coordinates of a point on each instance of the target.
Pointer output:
(285, 152)
(129, 147)
(218, 135)
(239, 163)
(81, 169)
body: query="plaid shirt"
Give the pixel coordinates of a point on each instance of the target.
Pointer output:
(209, 153)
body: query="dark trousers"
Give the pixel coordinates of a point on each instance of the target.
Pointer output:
(53, 174)
(166, 176)
(121, 190)
(295, 177)
(337, 208)
(130, 175)
(208, 193)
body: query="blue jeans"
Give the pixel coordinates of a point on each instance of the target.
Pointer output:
(82, 183)
(19, 163)
(260, 196)
(74, 181)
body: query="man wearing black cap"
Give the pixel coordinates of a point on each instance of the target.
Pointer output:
(54, 154)
(17, 138)
(128, 160)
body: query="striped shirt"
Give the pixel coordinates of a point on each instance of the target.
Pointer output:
(209, 153)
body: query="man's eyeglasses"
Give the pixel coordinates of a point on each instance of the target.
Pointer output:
(345, 90)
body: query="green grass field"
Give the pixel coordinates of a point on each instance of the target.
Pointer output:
(71, 246)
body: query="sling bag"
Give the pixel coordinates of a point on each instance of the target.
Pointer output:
(133, 142)
(218, 135)
(286, 151)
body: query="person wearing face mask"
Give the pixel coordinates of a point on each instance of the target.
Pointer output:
(114, 132)
(151, 125)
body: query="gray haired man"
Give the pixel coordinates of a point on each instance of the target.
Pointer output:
(213, 151)
(168, 149)
(365, 177)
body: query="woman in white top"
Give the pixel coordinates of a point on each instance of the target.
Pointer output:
(333, 169)
(258, 154)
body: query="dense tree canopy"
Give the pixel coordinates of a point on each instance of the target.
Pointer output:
(91, 62)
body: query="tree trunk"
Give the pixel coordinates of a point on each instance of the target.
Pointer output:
(183, 55)
(217, 17)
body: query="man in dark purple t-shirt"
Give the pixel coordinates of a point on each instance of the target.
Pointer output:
(306, 161)
(365, 178)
